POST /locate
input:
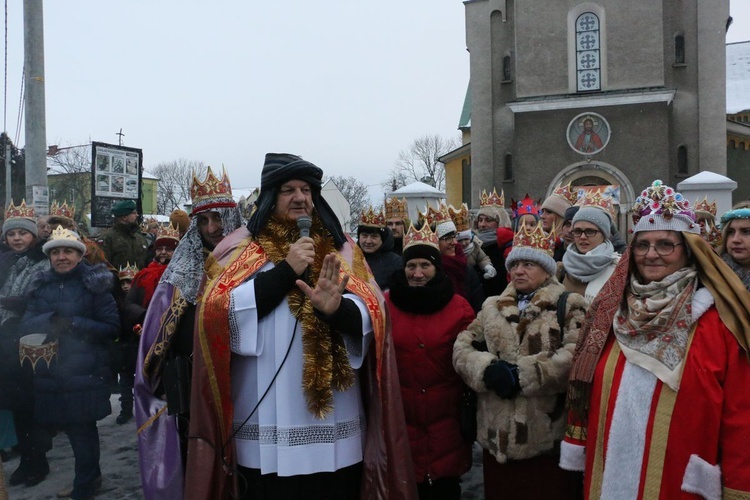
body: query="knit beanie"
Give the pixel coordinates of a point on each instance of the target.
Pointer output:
(464, 235)
(556, 204)
(597, 217)
(181, 219)
(496, 213)
(527, 253)
(421, 251)
(570, 213)
(62, 237)
(445, 228)
(535, 246)
(20, 223)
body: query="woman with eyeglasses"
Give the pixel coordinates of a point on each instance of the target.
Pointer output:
(465, 280)
(658, 397)
(591, 259)
(735, 244)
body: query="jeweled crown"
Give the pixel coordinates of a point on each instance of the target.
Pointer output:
(128, 272)
(535, 238)
(434, 216)
(705, 206)
(460, 217)
(425, 236)
(170, 232)
(660, 199)
(148, 222)
(212, 192)
(63, 210)
(524, 207)
(60, 233)
(396, 209)
(22, 211)
(597, 199)
(567, 193)
(492, 199)
(372, 218)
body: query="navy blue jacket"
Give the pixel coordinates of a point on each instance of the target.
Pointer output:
(78, 309)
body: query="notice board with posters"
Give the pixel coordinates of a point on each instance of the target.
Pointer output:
(116, 174)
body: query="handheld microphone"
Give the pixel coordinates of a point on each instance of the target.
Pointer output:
(304, 223)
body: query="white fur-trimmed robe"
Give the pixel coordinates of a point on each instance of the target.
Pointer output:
(533, 421)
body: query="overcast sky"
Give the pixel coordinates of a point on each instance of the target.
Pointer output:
(344, 84)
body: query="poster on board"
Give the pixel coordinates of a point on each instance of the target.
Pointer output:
(117, 173)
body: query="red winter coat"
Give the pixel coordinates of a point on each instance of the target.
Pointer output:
(430, 388)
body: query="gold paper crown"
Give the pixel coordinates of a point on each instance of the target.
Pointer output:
(60, 233)
(128, 272)
(396, 209)
(371, 218)
(22, 211)
(597, 199)
(424, 236)
(535, 239)
(146, 223)
(434, 216)
(705, 206)
(212, 192)
(169, 232)
(460, 217)
(567, 193)
(63, 210)
(492, 199)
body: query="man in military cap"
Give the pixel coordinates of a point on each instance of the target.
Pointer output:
(123, 244)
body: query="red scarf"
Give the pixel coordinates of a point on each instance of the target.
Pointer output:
(455, 268)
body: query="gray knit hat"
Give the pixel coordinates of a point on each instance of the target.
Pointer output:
(20, 223)
(527, 253)
(595, 216)
(535, 246)
(65, 238)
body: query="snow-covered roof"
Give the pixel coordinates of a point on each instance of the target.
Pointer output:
(738, 77)
(418, 189)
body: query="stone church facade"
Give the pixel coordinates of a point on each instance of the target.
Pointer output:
(593, 93)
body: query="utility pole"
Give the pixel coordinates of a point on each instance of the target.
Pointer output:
(36, 123)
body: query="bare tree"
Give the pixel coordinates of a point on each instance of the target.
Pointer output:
(356, 194)
(70, 178)
(420, 162)
(175, 178)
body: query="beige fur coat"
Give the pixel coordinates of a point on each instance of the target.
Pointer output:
(532, 422)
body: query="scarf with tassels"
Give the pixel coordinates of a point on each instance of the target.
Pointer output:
(730, 297)
(326, 365)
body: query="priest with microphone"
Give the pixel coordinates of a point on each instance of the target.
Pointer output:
(295, 390)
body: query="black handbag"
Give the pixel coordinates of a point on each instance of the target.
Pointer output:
(468, 414)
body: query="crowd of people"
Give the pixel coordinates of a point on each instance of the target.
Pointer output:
(277, 357)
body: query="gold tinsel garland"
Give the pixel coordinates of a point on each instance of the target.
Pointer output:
(326, 364)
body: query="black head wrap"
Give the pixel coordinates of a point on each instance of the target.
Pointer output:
(283, 167)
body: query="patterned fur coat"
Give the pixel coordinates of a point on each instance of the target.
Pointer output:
(533, 422)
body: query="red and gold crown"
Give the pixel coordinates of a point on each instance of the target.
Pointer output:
(212, 193)
(424, 236)
(169, 232)
(128, 272)
(493, 199)
(535, 239)
(567, 193)
(597, 199)
(372, 218)
(148, 222)
(63, 210)
(396, 209)
(460, 217)
(21, 211)
(706, 207)
(525, 206)
(434, 216)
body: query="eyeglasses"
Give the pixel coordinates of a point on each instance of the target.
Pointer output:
(663, 248)
(590, 233)
(448, 237)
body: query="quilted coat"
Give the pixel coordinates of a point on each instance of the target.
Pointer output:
(532, 423)
(74, 388)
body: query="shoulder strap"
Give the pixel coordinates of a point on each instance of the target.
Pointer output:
(562, 302)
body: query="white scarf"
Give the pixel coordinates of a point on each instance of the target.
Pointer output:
(586, 267)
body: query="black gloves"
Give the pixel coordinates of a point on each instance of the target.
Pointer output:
(60, 324)
(16, 304)
(502, 377)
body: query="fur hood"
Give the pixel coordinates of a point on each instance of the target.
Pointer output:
(96, 279)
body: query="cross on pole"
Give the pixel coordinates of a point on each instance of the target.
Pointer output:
(121, 135)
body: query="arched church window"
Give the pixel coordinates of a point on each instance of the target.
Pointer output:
(508, 167)
(588, 52)
(506, 68)
(682, 160)
(679, 49)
